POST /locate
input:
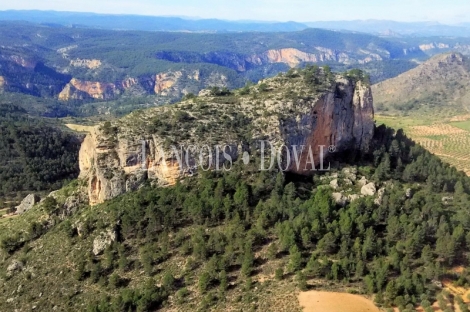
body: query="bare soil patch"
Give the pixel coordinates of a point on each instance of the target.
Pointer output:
(319, 301)
(79, 128)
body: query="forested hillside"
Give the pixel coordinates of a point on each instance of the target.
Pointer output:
(240, 239)
(35, 155)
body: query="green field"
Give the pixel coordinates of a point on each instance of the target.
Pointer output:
(447, 138)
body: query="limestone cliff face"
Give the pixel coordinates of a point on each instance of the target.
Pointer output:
(151, 145)
(294, 57)
(165, 81)
(343, 119)
(171, 84)
(433, 45)
(289, 56)
(129, 82)
(79, 90)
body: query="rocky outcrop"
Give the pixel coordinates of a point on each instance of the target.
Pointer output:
(79, 90)
(433, 45)
(292, 57)
(343, 120)
(334, 184)
(340, 199)
(380, 196)
(102, 241)
(129, 82)
(369, 189)
(90, 64)
(14, 266)
(24, 62)
(165, 81)
(170, 84)
(27, 203)
(3, 82)
(152, 145)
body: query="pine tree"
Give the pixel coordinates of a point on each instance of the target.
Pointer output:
(301, 281)
(295, 259)
(248, 259)
(223, 281)
(279, 273)
(204, 282)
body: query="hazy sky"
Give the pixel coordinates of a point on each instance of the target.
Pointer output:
(446, 11)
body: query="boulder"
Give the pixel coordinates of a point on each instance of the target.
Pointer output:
(363, 181)
(204, 92)
(408, 193)
(353, 197)
(27, 203)
(78, 226)
(15, 265)
(350, 173)
(102, 241)
(71, 205)
(53, 194)
(339, 199)
(369, 189)
(334, 184)
(380, 196)
(446, 200)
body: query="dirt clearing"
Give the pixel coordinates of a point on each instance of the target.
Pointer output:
(319, 301)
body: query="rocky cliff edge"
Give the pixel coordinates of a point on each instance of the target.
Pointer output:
(309, 108)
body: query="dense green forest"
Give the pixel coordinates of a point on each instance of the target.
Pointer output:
(35, 155)
(223, 229)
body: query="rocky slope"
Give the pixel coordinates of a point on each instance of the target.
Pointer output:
(171, 84)
(442, 81)
(312, 108)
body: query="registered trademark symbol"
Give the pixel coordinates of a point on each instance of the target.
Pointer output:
(331, 148)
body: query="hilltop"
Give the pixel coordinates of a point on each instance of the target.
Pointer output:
(441, 84)
(312, 107)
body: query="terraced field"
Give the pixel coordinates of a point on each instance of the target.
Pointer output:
(447, 138)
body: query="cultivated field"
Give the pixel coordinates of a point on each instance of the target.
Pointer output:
(79, 128)
(447, 138)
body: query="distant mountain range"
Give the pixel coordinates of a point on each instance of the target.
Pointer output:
(171, 23)
(147, 23)
(393, 28)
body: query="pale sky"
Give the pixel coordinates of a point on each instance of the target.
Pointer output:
(445, 11)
